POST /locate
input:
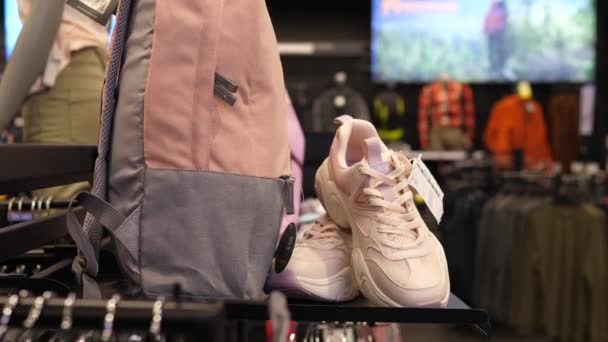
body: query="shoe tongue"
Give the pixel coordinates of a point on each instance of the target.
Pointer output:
(378, 157)
(376, 151)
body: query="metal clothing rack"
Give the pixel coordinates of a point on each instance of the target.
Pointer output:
(336, 49)
(320, 144)
(35, 204)
(204, 319)
(33, 167)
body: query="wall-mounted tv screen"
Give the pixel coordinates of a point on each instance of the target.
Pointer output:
(483, 40)
(13, 25)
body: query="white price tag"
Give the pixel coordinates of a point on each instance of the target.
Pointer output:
(422, 180)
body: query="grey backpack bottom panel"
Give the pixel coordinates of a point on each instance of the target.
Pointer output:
(214, 234)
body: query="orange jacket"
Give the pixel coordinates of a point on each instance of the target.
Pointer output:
(511, 126)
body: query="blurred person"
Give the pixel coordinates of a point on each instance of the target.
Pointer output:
(64, 105)
(495, 26)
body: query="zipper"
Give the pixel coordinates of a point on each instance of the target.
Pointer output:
(288, 194)
(224, 94)
(227, 83)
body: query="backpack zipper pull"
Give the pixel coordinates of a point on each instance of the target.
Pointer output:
(224, 88)
(288, 195)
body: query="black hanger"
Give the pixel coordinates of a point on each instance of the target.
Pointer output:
(29, 334)
(7, 313)
(155, 331)
(108, 324)
(66, 333)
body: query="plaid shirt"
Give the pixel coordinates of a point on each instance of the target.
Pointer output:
(448, 105)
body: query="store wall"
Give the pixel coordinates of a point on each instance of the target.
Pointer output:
(307, 77)
(2, 36)
(598, 141)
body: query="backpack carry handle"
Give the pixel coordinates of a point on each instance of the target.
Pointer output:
(86, 265)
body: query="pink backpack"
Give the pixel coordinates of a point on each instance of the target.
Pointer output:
(193, 176)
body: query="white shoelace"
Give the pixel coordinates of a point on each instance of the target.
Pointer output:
(398, 224)
(324, 232)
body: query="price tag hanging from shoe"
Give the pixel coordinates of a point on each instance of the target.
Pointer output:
(422, 180)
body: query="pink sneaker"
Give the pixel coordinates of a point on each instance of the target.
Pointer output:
(363, 185)
(319, 267)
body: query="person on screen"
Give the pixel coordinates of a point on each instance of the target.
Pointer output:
(64, 104)
(495, 26)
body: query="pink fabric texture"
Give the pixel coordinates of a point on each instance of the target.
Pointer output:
(185, 126)
(297, 144)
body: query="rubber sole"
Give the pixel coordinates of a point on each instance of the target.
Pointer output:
(332, 200)
(340, 287)
(372, 292)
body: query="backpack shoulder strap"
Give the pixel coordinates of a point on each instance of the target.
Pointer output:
(85, 264)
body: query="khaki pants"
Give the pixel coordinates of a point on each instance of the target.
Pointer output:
(69, 112)
(448, 138)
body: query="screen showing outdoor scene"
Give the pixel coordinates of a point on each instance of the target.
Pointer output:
(483, 40)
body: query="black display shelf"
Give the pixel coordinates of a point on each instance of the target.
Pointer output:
(89, 313)
(205, 318)
(26, 236)
(31, 167)
(360, 310)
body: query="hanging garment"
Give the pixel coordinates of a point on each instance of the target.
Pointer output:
(459, 235)
(192, 177)
(446, 104)
(388, 116)
(591, 309)
(517, 124)
(500, 260)
(448, 138)
(541, 267)
(563, 128)
(68, 112)
(76, 32)
(332, 103)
